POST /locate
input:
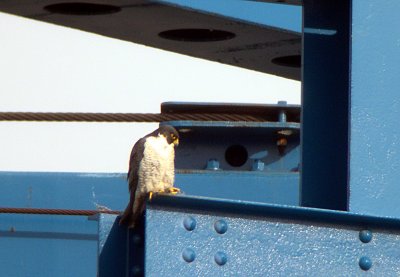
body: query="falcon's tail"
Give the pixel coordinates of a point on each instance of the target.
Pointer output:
(132, 212)
(127, 215)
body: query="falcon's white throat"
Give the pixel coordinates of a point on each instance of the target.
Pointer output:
(156, 170)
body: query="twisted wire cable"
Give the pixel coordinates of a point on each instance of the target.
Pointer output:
(126, 117)
(8, 210)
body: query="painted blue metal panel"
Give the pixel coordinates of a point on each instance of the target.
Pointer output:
(269, 14)
(278, 188)
(201, 141)
(96, 191)
(63, 190)
(43, 245)
(204, 237)
(350, 132)
(375, 108)
(113, 247)
(121, 250)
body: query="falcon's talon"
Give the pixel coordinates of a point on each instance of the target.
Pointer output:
(173, 190)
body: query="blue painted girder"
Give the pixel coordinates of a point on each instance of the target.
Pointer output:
(194, 236)
(110, 191)
(47, 245)
(351, 106)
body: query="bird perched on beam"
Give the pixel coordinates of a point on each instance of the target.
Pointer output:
(151, 170)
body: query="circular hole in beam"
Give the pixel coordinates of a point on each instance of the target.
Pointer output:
(236, 155)
(288, 61)
(81, 8)
(196, 35)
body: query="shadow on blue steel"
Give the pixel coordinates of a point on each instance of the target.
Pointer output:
(325, 104)
(120, 249)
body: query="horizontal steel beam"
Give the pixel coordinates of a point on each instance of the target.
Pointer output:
(199, 236)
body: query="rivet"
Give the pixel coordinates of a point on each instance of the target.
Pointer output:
(189, 223)
(220, 258)
(365, 236)
(220, 226)
(365, 263)
(188, 255)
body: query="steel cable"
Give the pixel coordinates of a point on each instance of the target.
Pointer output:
(8, 210)
(125, 117)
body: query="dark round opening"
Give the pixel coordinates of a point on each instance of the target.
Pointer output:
(196, 35)
(289, 61)
(236, 155)
(81, 8)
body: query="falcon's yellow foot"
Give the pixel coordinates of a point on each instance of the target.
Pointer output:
(152, 193)
(173, 190)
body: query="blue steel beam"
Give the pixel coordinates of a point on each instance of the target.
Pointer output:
(325, 100)
(113, 246)
(121, 250)
(99, 191)
(47, 245)
(205, 237)
(350, 132)
(278, 188)
(63, 190)
(272, 14)
(200, 142)
(374, 168)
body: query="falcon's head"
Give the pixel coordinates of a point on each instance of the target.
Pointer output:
(170, 134)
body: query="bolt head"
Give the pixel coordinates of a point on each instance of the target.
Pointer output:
(212, 164)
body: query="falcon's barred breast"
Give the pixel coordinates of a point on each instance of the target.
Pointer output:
(151, 170)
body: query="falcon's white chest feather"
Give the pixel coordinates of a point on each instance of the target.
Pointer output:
(156, 170)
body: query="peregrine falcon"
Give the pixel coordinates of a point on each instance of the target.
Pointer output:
(151, 170)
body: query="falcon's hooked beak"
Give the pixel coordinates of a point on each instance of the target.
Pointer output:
(176, 141)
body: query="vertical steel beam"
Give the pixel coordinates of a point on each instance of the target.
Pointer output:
(112, 247)
(325, 100)
(375, 108)
(351, 106)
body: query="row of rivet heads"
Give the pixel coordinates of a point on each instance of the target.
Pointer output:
(365, 262)
(220, 227)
